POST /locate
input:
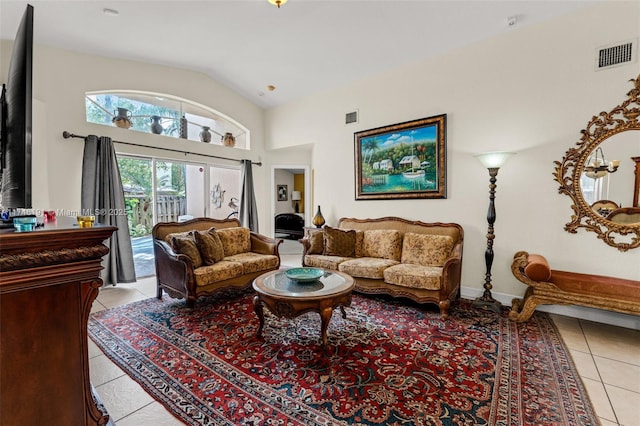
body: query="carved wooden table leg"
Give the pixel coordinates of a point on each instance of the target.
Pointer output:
(325, 317)
(257, 305)
(344, 314)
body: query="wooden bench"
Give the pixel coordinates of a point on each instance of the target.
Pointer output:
(547, 286)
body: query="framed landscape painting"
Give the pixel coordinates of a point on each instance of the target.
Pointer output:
(405, 160)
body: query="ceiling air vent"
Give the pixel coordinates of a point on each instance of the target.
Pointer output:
(351, 117)
(612, 56)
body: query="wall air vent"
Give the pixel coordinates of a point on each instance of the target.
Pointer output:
(620, 54)
(351, 117)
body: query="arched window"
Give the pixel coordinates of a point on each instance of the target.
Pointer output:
(165, 115)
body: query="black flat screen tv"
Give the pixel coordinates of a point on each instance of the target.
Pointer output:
(16, 113)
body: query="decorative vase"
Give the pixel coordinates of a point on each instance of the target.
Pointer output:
(228, 139)
(184, 134)
(318, 219)
(156, 127)
(205, 134)
(122, 118)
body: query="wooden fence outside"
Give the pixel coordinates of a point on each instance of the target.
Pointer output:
(169, 208)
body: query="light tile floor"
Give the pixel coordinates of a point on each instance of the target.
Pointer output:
(607, 358)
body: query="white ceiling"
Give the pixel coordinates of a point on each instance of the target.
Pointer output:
(306, 46)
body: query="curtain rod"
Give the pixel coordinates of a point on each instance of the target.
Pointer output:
(68, 135)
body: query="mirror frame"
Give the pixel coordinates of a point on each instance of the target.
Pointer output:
(623, 117)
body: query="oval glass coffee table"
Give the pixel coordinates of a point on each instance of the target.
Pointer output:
(290, 298)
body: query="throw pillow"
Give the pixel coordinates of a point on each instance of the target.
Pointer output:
(235, 240)
(359, 243)
(186, 244)
(210, 246)
(338, 242)
(382, 243)
(169, 237)
(316, 241)
(426, 249)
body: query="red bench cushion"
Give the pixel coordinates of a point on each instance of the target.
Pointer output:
(538, 268)
(616, 288)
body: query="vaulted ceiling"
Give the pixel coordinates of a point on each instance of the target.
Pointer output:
(304, 47)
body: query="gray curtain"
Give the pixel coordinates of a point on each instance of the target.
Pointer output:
(102, 195)
(248, 210)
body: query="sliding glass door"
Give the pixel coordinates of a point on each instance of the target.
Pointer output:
(179, 191)
(158, 190)
(137, 182)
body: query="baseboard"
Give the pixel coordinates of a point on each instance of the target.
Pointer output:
(589, 314)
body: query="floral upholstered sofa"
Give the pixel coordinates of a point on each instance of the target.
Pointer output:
(391, 255)
(205, 255)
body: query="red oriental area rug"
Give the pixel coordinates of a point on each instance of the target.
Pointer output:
(387, 363)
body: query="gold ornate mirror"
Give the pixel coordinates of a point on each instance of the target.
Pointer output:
(618, 224)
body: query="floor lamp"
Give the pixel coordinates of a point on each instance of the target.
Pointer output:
(492, 161)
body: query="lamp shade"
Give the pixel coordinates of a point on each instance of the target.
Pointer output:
(595, 174)
(295, 195)
(494, 160)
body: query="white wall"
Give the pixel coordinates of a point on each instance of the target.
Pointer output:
(283, 177)
(531, 91)
(61, 79)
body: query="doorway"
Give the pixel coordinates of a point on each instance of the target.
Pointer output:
(295, 179)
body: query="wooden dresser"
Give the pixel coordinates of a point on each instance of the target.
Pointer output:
(49, 279)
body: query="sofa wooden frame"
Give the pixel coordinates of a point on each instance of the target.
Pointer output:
(449, 290)
(174, 271)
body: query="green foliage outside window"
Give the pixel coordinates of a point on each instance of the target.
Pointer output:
(102, 108)
(178, 118)
(136, 175)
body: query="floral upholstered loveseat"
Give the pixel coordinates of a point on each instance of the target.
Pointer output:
(394, 256)
(205, 255)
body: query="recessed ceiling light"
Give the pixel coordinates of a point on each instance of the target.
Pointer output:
(110, 12)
